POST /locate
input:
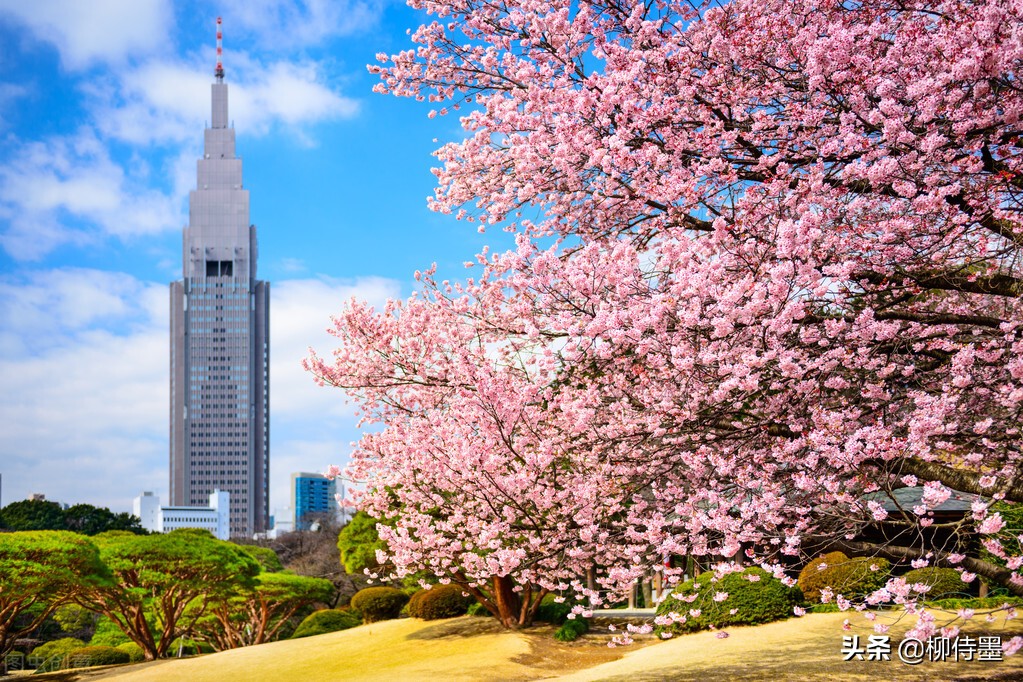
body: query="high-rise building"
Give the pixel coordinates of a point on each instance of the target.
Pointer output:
(312, 498)
(220, 340)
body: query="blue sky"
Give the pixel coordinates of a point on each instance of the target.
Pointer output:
(102, 107)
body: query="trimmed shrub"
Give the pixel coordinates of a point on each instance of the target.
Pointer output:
(379, 603)
(754, 595)
(327, 620)
(845, 576)
(477, 609)
(52, 653)
(440, 601)
(830, 607)
(57, 646)
(95, 655)
(944, 582)
(811, 580)
(553, 612)
(133, 650)
(572, 630)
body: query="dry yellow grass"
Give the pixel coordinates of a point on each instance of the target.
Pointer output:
(804, 649)
(392, 650)
(469, 648)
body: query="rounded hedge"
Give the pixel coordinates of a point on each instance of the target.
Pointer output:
(440, 601)
(477, 609)
(944, 582)
(51, 654)
(754, 595)
(95, 655)
(133, 650)
(327, 620)
(57, 646)
(379, 603)
(845, 576)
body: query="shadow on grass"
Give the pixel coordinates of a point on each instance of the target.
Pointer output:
(460, 627)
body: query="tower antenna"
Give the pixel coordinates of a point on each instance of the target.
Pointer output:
(219, 73)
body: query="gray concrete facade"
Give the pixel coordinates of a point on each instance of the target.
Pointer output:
(220, 342)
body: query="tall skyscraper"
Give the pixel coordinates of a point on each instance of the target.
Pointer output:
(220, 340)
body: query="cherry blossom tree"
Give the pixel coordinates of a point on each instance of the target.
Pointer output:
(767, 272)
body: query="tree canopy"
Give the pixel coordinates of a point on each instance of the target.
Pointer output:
(358, 543)
(80, 518)
(768, 268)
(258, 613)
(162, 584)
(40, 571)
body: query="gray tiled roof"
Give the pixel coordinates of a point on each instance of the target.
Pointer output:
(907, 498)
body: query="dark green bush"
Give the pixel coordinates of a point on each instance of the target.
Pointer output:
(133, 650)
(553, 612)
(760, 600)
(379, 603)
(477, 609)
(944, 582)
(845, 576)
(571, 630)
(327, 620)
(95, 655)
(440, 601)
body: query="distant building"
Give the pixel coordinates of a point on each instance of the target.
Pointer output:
(312, 497)
(284, 521)
(220, 340)
(215, 518)
(41, 497)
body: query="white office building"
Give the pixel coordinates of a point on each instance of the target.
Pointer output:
(216, 518)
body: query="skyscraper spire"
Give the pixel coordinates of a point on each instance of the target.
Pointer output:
(219, 73)
(219, 118)
(220, 339)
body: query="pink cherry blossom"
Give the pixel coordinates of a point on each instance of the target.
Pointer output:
(766, 271)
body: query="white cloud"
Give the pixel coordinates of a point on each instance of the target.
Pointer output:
(162, 101)
(68, 189)
(292, 93)
(84, 383)
(300, 312)
(41, 307)
(90, 31)
(77, 398)
(290, 23)
(312, 426)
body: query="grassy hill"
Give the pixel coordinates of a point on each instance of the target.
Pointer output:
(477, 649)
